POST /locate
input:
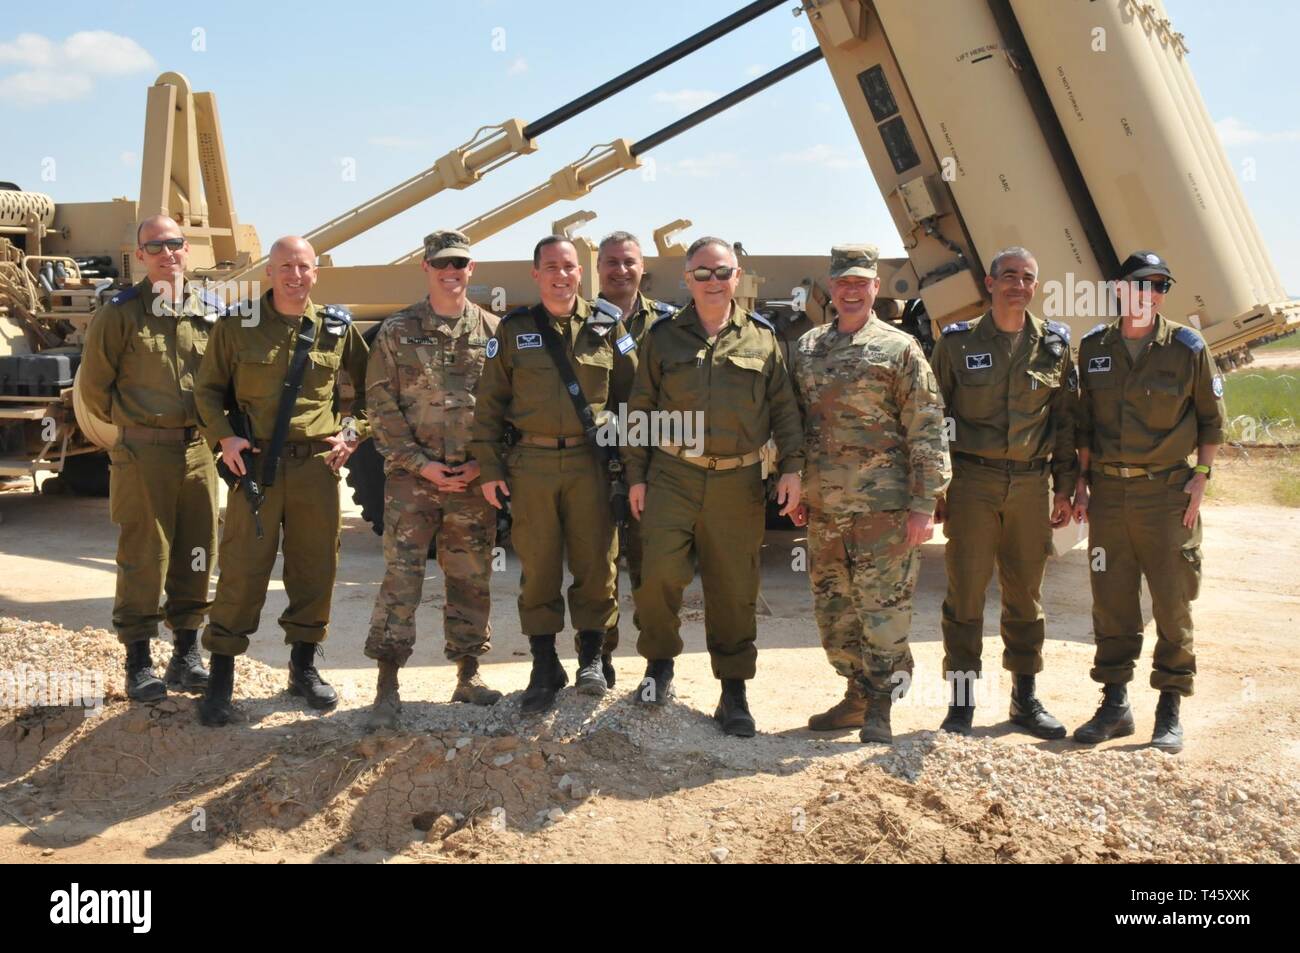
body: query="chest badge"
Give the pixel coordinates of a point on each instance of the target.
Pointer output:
(1098, 364)
(979, 362)
(523, 341)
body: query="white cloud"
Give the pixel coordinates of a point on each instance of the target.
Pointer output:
(517, 66)
(703, 167)
(828, 157)
(685, 100)
(1234, 132)
(66, 71)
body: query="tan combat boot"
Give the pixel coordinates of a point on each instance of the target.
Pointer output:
(470, 686)
(383, 716)
(848, 712)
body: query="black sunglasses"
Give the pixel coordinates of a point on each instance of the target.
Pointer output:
(457, 263)
(1160, 287)
(722, 273)
(173, 244)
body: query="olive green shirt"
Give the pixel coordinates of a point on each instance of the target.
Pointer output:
(141, 356)
(645, 312)
(1152, 412)
(520, 384)
(253, 352)
(738, 380)
(1007, 405)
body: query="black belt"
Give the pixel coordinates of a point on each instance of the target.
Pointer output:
(1014, 466)
(299, 448)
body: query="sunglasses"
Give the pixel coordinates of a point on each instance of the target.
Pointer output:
(1159, 287)
(722, 273)
(171, 244)
(442, 263)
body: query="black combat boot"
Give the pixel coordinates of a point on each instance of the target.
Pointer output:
(960, 717)
(215, 708)
(547, 678)
(607, 666)
(388, 702)
(657, 685)
(875, 726)
(305, 681)
(1168, 733)
(733, 710)
(591, 674)
(142, 685)
(185, 671)
(1028, 712)
(1114, 719)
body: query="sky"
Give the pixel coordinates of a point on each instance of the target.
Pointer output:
(326, 104)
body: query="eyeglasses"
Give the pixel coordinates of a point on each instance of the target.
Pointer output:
(722, 273)
(1160, 286)
(442, 263)
(171, 244)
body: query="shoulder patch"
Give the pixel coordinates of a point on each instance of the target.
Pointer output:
(755, 316)
(125, 295)
(1062, 331)
(213, 305)
(336, 318)
(603, 312)
(1190, 339)
(492, 347)
(1096, 330)
(663, 309)
(957, 327)
(520, 311)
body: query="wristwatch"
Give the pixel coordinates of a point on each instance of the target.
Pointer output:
(1202, 468)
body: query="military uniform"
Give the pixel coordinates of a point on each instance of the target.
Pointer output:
(711, 506)
(638, 321)
(1141, 420)
(1010, 403)
(875, 451)
(137, 370)
(420, 385)
(558, 489)
(252, 356)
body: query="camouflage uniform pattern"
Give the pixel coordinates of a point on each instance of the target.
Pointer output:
(875, 450)
(420, 384)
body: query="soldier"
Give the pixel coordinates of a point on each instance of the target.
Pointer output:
(1149, 398)
(424, 365)
(621, 268)
(717, 363)
(876, 462)
(137, 370)
(1007, 381)
(554, 476)
(249, 359)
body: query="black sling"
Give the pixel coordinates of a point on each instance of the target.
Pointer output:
(288, 397)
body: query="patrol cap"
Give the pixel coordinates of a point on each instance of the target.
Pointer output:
(859, 260)
(1144, 264)
(446, 243)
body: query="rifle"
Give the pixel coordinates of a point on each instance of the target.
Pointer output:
(251, 486)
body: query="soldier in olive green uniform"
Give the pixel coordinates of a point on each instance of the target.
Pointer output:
(248, 359)
(1008, 383)
(621, 268)
(137, 371)
(424, 365)
(1149, 399)
(719, 361)
(877, 459)
(558, 489)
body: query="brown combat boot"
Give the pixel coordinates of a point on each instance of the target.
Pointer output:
(848, 712)
(470, 687)
(383, 716)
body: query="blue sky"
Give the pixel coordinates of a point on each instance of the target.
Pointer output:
(394, 85)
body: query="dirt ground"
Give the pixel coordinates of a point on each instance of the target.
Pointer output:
(604, 780)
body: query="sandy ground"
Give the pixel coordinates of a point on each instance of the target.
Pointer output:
(604, 780)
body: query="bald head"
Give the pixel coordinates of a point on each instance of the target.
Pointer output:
(155, 227)
(165, 266)
(291, 266)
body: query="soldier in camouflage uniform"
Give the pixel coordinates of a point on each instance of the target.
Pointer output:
(424, 366)
(137, 371)
(876, 460)
(1008, 383)
(1149, 399)
(621, 269)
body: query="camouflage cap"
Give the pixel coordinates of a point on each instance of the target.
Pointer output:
(859, 260)
(446, 243)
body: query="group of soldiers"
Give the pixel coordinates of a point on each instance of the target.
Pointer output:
(871, 446)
